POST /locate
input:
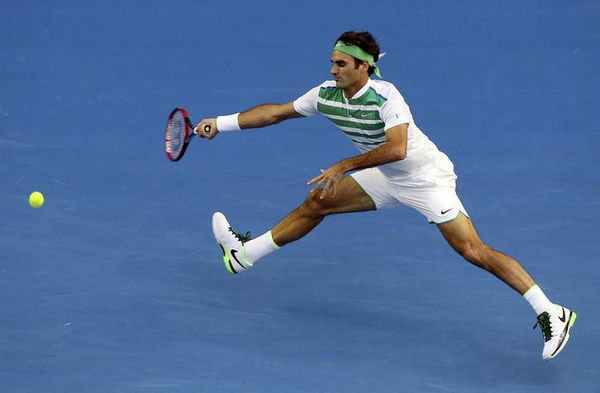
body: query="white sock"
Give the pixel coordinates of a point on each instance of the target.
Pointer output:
(259, 247)
(538, 300)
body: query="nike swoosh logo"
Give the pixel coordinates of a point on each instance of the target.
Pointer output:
(446, 211)
(563, 334)
(564, 316)
(233, 254)
(227, 261)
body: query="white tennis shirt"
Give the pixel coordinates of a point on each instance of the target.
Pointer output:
(365, 117)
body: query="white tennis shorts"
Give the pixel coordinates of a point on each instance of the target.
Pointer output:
(435, 200)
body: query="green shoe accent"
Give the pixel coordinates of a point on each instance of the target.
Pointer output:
(573, 318)
(228, 266)
(226, 261)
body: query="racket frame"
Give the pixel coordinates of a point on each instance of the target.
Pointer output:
(189, 134)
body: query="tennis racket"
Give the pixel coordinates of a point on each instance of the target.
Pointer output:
(178, 134)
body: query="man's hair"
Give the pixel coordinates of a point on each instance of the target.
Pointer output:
(365, 41)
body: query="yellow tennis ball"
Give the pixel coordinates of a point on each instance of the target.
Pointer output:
(36, 199)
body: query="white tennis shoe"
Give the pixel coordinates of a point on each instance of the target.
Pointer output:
(232, 244)
(555, 327)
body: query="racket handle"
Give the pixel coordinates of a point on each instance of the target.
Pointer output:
(206, 129)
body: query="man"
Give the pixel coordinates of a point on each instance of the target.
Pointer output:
(398, 165)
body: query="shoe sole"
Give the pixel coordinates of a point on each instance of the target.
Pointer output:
(226, 259)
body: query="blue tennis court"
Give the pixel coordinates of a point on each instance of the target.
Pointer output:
(117, 285)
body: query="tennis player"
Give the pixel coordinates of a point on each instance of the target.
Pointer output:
(397, 165)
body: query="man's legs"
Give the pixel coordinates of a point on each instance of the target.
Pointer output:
(555, 321)
(240, 253)
(463, 238)
(350, 197)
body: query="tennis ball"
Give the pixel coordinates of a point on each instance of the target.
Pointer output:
(36, 199)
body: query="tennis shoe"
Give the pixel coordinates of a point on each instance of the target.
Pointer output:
(231, 243)
(556, 326)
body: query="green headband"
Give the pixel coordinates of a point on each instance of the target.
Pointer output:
(358, 53)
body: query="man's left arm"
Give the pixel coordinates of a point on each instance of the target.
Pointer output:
(394, 149)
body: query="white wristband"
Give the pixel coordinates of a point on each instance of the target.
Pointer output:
(228, 123)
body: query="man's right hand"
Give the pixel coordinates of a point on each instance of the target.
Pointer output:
(200, 128)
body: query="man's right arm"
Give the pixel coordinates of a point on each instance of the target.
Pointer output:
(259, 116)
(266, 115)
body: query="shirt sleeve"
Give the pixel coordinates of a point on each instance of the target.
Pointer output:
(395, 111)
(306, 105)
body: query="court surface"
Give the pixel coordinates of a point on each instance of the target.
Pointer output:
(116, 284)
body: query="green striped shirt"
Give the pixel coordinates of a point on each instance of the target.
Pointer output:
(358, 118)
(364, 117)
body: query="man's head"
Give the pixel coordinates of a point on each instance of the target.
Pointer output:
(349, 58)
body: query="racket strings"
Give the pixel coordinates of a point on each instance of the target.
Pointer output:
(176, 133)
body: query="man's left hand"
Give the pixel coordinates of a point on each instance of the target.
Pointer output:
(328, 179)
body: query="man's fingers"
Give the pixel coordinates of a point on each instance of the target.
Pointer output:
(314, 179)
(329, 185)
(326, 182)
(204, 130)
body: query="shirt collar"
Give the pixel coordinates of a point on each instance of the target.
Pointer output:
(362, 91)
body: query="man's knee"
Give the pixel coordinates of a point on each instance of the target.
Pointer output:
(474, 252)
(314, 205)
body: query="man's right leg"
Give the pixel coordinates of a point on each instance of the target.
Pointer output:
(240, 253)
(350, 197)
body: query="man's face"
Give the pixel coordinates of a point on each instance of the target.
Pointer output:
(344, 70)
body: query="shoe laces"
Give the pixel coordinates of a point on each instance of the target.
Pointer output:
(543, 320)
(240, 237)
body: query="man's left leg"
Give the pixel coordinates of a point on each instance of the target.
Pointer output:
(463, 238)
(555, 321)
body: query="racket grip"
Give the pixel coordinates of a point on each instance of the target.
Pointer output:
(207, 128)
